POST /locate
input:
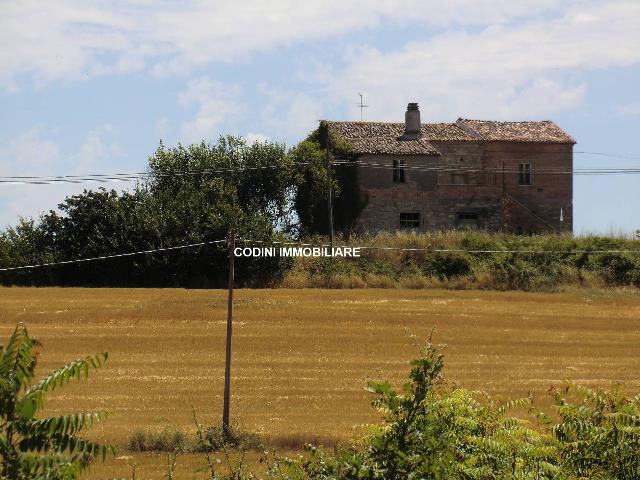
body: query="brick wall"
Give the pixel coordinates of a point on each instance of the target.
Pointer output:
(440, 200)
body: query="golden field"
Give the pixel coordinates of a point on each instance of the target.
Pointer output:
(302, 357)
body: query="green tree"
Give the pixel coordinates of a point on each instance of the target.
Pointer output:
(259, 179)
(311, 199)
(192, 194)
(41, 448)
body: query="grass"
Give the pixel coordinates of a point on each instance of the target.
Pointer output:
(545, 262)
(301, 357)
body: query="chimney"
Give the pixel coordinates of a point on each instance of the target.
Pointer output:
(412, 126)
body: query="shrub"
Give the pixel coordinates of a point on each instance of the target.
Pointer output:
(599, 433)
(448, 264)
(432, 432)
(543, 262)
(345, 281)
(380, 281)
(615, 268)
(167, 440)
(214, 440)
(415, 281)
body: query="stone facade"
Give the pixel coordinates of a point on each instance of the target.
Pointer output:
(473, 181)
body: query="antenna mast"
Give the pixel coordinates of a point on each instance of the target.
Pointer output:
(362, 106)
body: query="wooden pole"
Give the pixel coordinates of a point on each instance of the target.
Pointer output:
(330, 174)
(227, 360)
(504, 200)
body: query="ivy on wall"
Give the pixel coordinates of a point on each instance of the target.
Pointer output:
(311, 200)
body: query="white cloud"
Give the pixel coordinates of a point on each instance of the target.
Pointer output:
(29, 153)
(95, 151)
(74, 39)
(216, 103)
(527, 69)
(35, 153)
(632, 108)
(290, 115)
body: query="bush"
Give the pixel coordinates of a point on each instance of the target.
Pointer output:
(214, 440)
(615, 268)
(546, 262)
(432, 432)
(448, 265)
(167, 440)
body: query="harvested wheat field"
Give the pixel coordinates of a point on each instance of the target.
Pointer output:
(301, 357)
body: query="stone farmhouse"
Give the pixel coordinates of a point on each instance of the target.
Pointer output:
(500, 176)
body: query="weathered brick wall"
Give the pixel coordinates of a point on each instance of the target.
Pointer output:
(439, 201)
(548, 192)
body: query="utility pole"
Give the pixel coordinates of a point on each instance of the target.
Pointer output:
(330, 175)
(504, 199)
(227, 359)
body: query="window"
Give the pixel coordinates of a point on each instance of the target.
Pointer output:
(409, 220)
(468, 220)
(460, 178)
(524, 174)
(398, 171)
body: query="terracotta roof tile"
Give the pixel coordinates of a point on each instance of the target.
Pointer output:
(543, 131)
(383, 137)
(391, 146)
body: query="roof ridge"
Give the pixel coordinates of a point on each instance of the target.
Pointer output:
(462, 130)
(380, 122)
(506, 121)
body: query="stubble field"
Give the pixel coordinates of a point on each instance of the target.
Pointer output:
(302, 357)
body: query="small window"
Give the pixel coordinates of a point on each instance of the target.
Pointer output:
(409, 220)
(460, 178)
(524, 174)
(468, 220)
(398, 171)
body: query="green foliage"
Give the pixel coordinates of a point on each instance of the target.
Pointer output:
(431, 432)
(616, 269)
(167, 440)
(599, 434)
(448, 264)
(540, 263)
(41, 448)
(193, 194)
(311, 198)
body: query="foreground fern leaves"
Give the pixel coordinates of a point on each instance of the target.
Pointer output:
(42, 448)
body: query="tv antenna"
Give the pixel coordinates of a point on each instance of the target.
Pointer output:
(362, 106)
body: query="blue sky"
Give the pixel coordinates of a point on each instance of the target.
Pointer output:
(91, 87)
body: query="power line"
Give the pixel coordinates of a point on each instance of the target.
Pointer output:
(127, 177)
(611, 155)
(542, 170)
(312, 245)
(107, 257)
(341, 161)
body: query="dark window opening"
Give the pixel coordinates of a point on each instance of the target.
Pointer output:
(524, 174)
(460, 178)
(468, 220)
(519, 230)
(398, 171)
(409, 220)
